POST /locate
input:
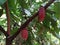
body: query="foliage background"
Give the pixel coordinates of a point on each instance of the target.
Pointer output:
(47, 31)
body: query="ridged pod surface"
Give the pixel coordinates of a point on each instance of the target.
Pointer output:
(24, 34)
(41, 14)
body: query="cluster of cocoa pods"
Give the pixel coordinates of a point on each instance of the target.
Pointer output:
(41, 16)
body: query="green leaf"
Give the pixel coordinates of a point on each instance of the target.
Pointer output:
(57, 9)
(44, 0)
(23, 3)
(56, 35)
(2, 2)
(14, 30)
(1, 12)
(50, 11)
(15, 18)
(12, 6)
(46, 22)
(2, 21)
(53, 23)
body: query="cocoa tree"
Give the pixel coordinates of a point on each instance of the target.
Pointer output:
(11, 23)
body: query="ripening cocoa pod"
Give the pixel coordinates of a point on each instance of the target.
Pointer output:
(41, 14)
(24, 34)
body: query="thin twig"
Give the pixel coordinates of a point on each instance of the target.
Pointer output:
(2, 30)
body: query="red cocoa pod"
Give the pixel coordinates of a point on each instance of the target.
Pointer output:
(24, 34)
(41, 14)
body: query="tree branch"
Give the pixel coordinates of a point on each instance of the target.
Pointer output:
(2, 30)
(8, 17)
(29, 20)
(48, 4)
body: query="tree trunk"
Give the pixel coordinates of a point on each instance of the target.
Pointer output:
(8, 41)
